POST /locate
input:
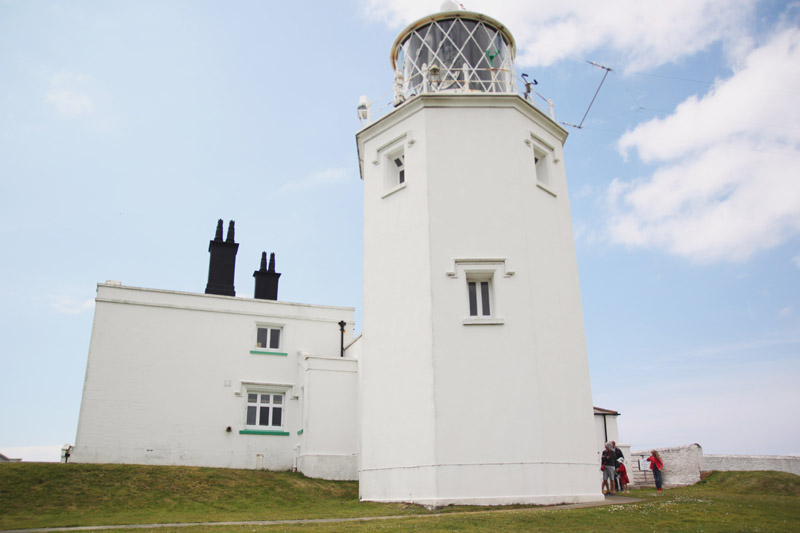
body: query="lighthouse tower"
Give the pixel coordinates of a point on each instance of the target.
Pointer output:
(474, 375)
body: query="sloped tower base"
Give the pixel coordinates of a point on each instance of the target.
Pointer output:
(483, 485)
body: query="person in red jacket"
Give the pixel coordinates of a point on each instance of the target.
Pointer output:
(656, 465)
(622, 473)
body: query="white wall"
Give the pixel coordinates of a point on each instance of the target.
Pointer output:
(605, 430)
(167, 374)
(785, 463)
(329, 437)
(495, 412)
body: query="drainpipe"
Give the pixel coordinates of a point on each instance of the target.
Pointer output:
(342, 324)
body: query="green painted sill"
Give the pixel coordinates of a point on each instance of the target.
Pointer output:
(264, 352)
(261, 432)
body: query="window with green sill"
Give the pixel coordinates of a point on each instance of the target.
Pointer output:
(265, 411)
(269, 337)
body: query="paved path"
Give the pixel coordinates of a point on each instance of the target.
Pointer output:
(610, 500)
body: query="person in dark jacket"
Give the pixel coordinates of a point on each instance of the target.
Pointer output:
(620, 456)
(608, 462)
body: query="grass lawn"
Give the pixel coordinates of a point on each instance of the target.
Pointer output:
(47, 495)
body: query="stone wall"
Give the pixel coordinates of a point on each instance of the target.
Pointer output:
(789, 463)
(681, 465)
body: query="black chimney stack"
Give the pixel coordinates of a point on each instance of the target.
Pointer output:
(266, 279)
(222, 263)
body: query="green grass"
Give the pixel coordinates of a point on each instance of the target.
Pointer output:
(47, 495)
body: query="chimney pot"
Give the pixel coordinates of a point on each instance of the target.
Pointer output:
(222, 263)
(266, 279)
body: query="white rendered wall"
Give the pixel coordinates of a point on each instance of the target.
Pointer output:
(472, 413)
(167, 374)
(605, 431)
(329, 437)
(779, 463)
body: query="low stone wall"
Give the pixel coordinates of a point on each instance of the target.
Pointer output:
(781, 463)
(681, 466)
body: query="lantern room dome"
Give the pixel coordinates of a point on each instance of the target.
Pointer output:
(453, 51)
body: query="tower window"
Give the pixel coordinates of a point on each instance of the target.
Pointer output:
(391, 159)
(541, 163)
(480, 296)
(395, 168)
(400, 163)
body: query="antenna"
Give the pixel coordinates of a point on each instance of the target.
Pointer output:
(607, 70)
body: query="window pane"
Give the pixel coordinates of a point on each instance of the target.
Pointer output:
(402, 177)
(275, 339)
(265, 398)
(277, 399)
(251, 415)
(261, 338)
(473, 299)
(263, 416)
(252, 398)
(276, 416)
(485, 297)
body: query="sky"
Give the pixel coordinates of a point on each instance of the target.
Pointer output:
(128, 128)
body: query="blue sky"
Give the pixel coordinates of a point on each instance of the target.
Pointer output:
(128, 128)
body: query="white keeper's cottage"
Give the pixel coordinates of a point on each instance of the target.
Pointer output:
(470, 382)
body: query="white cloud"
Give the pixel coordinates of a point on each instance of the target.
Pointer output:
(68, 94)
(796, 260)
(644, 34)
(728, 185)
(69, 306)
(331, 176)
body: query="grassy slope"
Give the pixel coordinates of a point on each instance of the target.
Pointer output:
(39, 495)
(47, 494)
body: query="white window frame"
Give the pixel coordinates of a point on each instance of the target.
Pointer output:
(259, 391)
(394, 176)
(270, 329)
(490, 270)
(543, 155)
(480, 283)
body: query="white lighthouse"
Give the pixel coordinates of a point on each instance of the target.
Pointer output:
(474, 376)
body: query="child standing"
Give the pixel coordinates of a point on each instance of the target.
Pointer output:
(622, 472)
(656, 465)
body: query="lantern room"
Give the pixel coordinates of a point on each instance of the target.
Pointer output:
(453, 51)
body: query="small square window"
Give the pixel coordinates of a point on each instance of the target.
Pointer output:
(269, 337)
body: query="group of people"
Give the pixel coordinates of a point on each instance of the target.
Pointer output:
(615, 475)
